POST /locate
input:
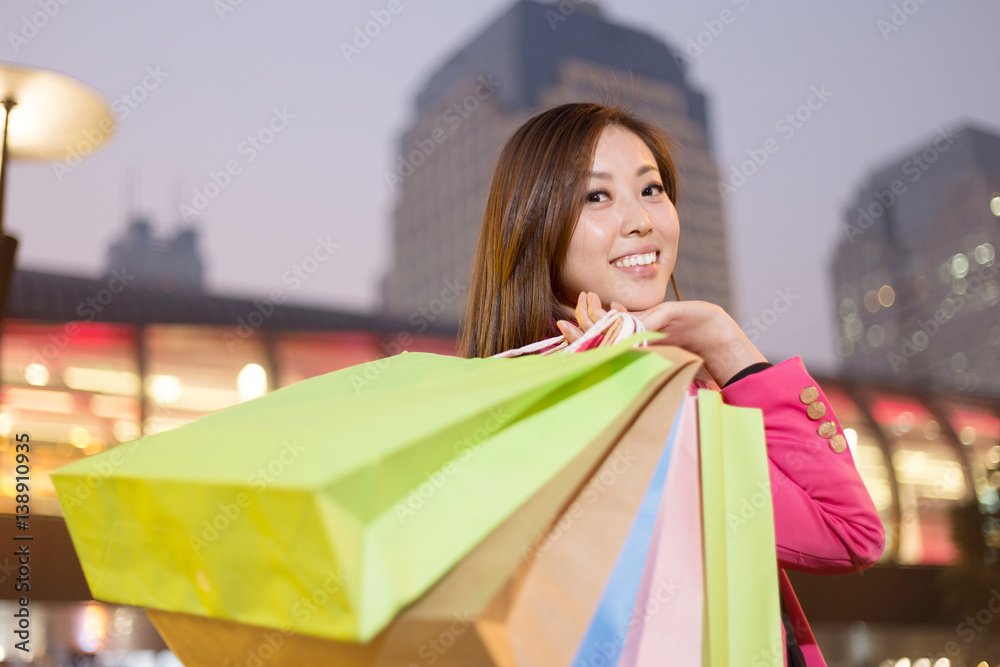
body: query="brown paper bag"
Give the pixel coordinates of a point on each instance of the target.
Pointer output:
(542, 614)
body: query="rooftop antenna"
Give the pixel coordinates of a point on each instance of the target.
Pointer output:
(179, 183)
(132, 184)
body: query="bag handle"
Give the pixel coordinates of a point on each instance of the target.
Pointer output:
(630, 324)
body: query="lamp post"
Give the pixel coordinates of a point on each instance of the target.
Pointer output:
(46, 116)
(8, 244)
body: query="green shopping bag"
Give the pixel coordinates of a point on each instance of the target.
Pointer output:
(742, 618)
(449, 624)
(325, 510)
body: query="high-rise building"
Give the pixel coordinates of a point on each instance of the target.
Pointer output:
(916, 275)
(170, 262)
(535, 56)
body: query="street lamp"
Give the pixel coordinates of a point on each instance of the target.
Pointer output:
(46, 116)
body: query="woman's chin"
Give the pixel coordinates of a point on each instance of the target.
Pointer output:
(640, 302)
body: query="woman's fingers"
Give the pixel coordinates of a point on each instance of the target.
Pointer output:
(582, 316)
(569, 331)
(657, 317)
(612, 333)
(595, 309)
(589, 310)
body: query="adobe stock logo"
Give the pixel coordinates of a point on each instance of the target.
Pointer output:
(899, 17)
(249, 149)
(454, 116)
(695, 46)
(123, 105)
(787, 126)
(913, 344)
(381, 18)
(758, 324)
(916, 166)
(31, 25)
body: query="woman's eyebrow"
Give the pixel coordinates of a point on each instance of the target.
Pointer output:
(603, 175)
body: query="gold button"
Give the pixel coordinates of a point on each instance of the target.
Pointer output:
(838, 443)
(808, 395)
(816, 409)
(827, 429)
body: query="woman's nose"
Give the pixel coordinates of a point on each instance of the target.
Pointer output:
(636, 219)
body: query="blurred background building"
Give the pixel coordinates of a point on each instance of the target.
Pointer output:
(174, 262)
(916, 278)
(531, 58)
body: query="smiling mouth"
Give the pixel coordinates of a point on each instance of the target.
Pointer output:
(640, 259)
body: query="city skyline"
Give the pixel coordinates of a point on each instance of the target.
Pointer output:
(208, 89)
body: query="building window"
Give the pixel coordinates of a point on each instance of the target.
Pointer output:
(869, 458)
(74, 389)
(929, 477)
(194, 370)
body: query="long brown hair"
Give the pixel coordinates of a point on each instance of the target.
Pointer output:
(536, 196)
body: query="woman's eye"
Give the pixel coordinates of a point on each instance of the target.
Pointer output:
(595, 196)
(654, 188)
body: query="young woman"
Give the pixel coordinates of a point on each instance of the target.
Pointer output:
(581, 214)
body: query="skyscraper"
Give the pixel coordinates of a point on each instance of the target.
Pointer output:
(170, 262)
(535, 56)
(916, 276)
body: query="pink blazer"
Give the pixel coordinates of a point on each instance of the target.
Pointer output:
(824, 519)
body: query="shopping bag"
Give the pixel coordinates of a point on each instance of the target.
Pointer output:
(544, 621)
(438, 627)
(605, 637)
(541, 615)
(667, 617)
(742, 617)
(313, 488)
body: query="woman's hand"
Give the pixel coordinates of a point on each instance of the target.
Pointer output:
(707, 330)
(588, 310)
(697, 326)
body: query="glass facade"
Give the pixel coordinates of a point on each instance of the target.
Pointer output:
(74, 388)
(929, 479)
(977, 428)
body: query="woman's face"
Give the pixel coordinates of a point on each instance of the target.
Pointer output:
(624, 244)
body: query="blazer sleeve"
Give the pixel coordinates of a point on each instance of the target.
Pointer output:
(824, 518)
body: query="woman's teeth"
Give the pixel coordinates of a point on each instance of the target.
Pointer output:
(636, 260)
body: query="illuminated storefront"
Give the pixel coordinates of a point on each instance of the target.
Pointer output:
(78, 386)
